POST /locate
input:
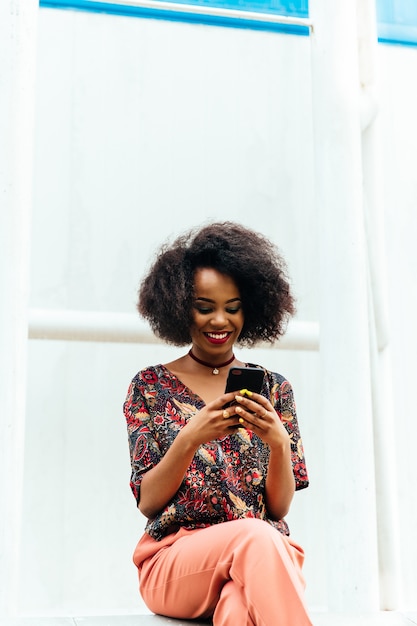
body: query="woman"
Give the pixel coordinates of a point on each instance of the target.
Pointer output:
(215, 483)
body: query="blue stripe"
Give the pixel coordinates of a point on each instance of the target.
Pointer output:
(175, 16)
(399, 34)
(397, 18)
(397, 21)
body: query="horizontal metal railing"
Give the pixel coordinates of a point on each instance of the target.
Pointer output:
(116, 327)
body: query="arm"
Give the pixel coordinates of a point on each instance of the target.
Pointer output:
(157, 476)
(261, 417)
(162, 482)
(280, 483)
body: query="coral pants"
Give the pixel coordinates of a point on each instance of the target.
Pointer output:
(241, 573)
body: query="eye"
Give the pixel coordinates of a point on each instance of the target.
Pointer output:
(204, 310)
(233, 310)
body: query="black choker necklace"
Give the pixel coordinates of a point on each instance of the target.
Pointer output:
(215, 368)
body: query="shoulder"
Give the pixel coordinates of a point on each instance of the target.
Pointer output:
(277, 388)
(149, 375)
(146, 389)
(156, 381)
(147, 381)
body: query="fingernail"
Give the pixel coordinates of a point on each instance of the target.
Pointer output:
(246, 392)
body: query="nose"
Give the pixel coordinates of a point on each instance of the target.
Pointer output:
(219, 319)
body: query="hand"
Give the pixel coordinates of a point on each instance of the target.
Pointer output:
(258, 414)
(213, 421)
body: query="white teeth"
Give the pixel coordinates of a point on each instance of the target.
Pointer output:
(217, 335)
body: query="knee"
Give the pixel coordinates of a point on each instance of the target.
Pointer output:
(255, 529)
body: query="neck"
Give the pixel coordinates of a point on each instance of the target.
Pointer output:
(215, 367)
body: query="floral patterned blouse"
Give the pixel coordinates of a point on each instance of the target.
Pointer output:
(226, 478)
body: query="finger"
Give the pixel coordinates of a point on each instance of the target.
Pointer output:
(253, 405)
(248, 420)
(226, 398)
(253, 420)
(228, 412)
(256, 397)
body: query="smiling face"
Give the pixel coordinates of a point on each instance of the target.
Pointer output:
(217, 315)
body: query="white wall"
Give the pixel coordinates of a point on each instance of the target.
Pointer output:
(399, 188)
(143, 129)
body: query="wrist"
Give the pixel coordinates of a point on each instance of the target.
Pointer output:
(187, 441)
(280, 447)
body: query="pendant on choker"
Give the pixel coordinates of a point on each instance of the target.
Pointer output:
(215, 368)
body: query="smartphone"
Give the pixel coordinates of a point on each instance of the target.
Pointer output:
(244, 378)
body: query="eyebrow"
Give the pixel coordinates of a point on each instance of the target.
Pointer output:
(212, 301)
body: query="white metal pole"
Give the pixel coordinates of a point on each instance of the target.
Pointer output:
(386, 476)
(17, 73)
(127, 327)
(350, 510)
(384, 432)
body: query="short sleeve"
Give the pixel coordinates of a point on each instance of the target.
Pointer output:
(284, 403)
(143, 448)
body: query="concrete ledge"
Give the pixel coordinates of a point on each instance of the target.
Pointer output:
(383, 618)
